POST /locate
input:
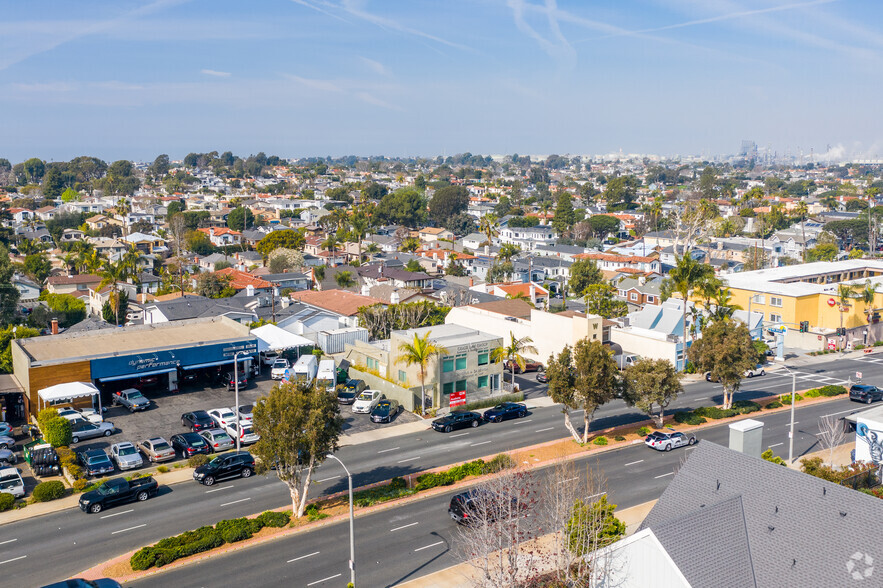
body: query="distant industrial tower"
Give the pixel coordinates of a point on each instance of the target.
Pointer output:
(748, 150)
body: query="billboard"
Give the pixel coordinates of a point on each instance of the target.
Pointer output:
(140, 363)
(458, 398)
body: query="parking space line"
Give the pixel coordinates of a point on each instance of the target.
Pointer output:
(569, 480)
(841, 412)
(13, 559)
(482, 443)
(114, 514)
(131, 528)
(324, 580)
(218, 489)
(663, 475)
(774, 445)
(595, 495)
(404, 527)
(428, 546)
(235, 501)
(409, 459)
(388, 450)
(303, 556)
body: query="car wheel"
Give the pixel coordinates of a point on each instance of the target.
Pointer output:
(448, 429)
(183, 423)
(246, 473)
(108, 433)
(691, 441)
(208, 480)
(499, 419)
(762, 372)
(750, 374)
(474, 424)
(142, 496)
(668, 447)
(869, 400)
(75, 439)
(522, 414)
(95, 508)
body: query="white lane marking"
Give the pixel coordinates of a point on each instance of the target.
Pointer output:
(409, 459)
(404, 527)
(129, 529)
(118, 513)
(703, 398)
(13, 559)
(388, 450)
(235, 501)
(546, 429)
(841, 412)
(303, 556)
(595, 495)
(774, 445)
(7, 541)
(663, 475)
(634, 462)
(328, 479)
(428, 546)
(568, 480)
(324, 580)
(218, 489)
(522, 422)
(482, 443)
(457, 435)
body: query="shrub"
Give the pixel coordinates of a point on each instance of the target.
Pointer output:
(814, 393)
(859, 347)
(878, 343)
(57, 431)
(644, 431)
(143, 559)
(314, 514)
(786, 398)
(619, 438)
(7, 501)
(272, 518)
(46, 491)
(448, 477)
(397, 483)
(714, 412)
(773, 404)
(768, 456)
(233, 530)
(830, 390)
(76, 471)
(162, 469)
(501, 461)
(688, 418)
(602, 440)
(198, 460)
(745, 406)
(80, 484)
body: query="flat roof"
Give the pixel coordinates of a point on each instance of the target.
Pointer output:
(137, 338)
(449, 334)
(772, 280)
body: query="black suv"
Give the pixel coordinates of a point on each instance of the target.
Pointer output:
(477, 506)
(348, 393)
(231, 380)
(865, 393)
(457, 420)
(224, 466)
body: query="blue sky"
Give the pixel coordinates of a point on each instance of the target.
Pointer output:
(132, 79)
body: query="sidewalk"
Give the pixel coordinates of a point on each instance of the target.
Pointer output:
(463, 575)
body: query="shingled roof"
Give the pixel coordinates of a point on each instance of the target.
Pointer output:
(731, 520)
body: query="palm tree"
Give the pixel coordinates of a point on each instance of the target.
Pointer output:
(489, 226)
(330, 243)
(512, 353)
(345, 279)
(111, 274)
(419, 352)
(410, 244)
(687, 275)
(802, 210)
(867, 296)
(318, 275)
(844, 293)
(508, 251)
(723, 306)
(829, 201)
(70, 261)
(130, 259)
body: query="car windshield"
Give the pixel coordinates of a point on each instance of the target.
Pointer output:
(106, 489)
(127, 450)
(366, 396)
(96, 459)
(160, 446)
(134, 395)
(280, 363)
(221, 437)
(226, 414)
(245, 409)
(247, 430)
(383, 407)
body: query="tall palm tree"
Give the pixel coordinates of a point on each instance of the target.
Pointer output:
(508, 251)
(70, 261)
(802, 210)
(420, 352)
(489, 226)
(345, 279)
(330, 243)
(867, 295)
(687, 275)
(512, 353)
(111, 274)
(844, 293)
(130, 260)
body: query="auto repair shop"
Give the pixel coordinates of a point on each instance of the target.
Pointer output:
(156, 355)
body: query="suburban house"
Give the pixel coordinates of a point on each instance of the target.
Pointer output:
(530, 291)
(77, 285)
(433, 234)
(528, 238)
(375, 274)
(146, 244)
(655, 332)
(222, 236)
(46, 213)
(289, 280)
(639, 291)
(21, 215)
(240, 280)
(208, 263)
(610, 262)
(343, 303)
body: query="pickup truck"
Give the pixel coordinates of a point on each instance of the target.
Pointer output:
(118, 491)
(131, 399)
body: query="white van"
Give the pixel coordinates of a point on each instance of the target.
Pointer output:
(11, 482)
(305, 369)
(326, 377)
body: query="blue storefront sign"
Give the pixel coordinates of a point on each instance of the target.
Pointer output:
(170, 359)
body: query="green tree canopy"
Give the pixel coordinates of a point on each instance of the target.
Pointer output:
(405, 206)
(240, 218)
(9, 294)
(652, 384)
(726, 352)
(107, 312)
(448, 201)
(565, 217)
(621, 192)
(600, 300)
(603, 225)
(213, 285)
(288, 238)
(37, 266)
(584, 273)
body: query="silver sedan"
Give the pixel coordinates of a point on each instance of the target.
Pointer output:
(217, 439)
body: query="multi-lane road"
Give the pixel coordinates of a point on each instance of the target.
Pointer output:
(55, 546)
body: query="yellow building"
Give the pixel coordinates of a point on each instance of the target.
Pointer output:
(808, 293)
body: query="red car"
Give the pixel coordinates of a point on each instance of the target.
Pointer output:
(529, 366)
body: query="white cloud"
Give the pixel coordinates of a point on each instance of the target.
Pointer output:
(375, 66)
(216, 73)
(323, 85)
(371, 99)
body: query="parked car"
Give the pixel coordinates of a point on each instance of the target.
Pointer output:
(542, 377)
(148, 381)
(197, 420)
(278, 369)
(118, 491)
(88, 414)
(663, 441)
(268, 357)
(245, 412)
(188, 377)
(11, 482)
(217, 439)
(156, 450)
(7, 457)
(95, 462)
(225, 466)
(478, 506)
(5, 429)
(246, 433)
(189, 444)
(126, 456)
(222, 416)
(385, 411)
(865, 393)
(505, 410)
(231, 380)
(457, 419)
(529, 366)
(132, 399)
(6, 442)
(85, 430)
(348, 393)
(81, 583)
(366, 401)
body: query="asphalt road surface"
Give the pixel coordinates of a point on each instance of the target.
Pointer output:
(58, 545)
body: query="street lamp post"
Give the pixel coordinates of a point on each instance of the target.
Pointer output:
(352, 536)
(791, 433)
(236, 392)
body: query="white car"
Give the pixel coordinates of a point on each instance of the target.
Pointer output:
(73, 414)
(280, 366)
(246, 433)
(11, 482)
(268, 357)
(757, 371)
(126, 455)
(222, 416)
(366, 401)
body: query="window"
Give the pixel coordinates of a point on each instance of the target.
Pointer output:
(650, 298)
(372, 363)
(448, 388)
(460, 386)
(483, 359)
(634, 296)
(448, 364)
(461, 362)
(495, 382)
(759, 299)
(402, 376)
(775, 301)
(482, 381)
(776, 318)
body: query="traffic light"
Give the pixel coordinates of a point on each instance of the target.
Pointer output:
(804, 326)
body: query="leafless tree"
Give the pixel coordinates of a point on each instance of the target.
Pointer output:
(831, 434)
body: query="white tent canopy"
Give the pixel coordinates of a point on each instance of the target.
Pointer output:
(273, 338)
(69, 391)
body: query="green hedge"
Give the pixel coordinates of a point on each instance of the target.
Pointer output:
(7, 501)
(774, 404)
(786, 398)
(688, 418)
(448, 477)
(395, 489)
(46, 491)
(203, 539)
(198, 460)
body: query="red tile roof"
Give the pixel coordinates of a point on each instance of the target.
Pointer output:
(239, 280)
(342, 302)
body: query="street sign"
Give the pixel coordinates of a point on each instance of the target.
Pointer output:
(831, 302)
(831, 344)
(858, 375)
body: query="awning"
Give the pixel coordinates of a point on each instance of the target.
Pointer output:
(138, 375)
(67, 391)
(271, 337)
(212, 363)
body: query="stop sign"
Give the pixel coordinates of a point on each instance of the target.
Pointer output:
(831, 302)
